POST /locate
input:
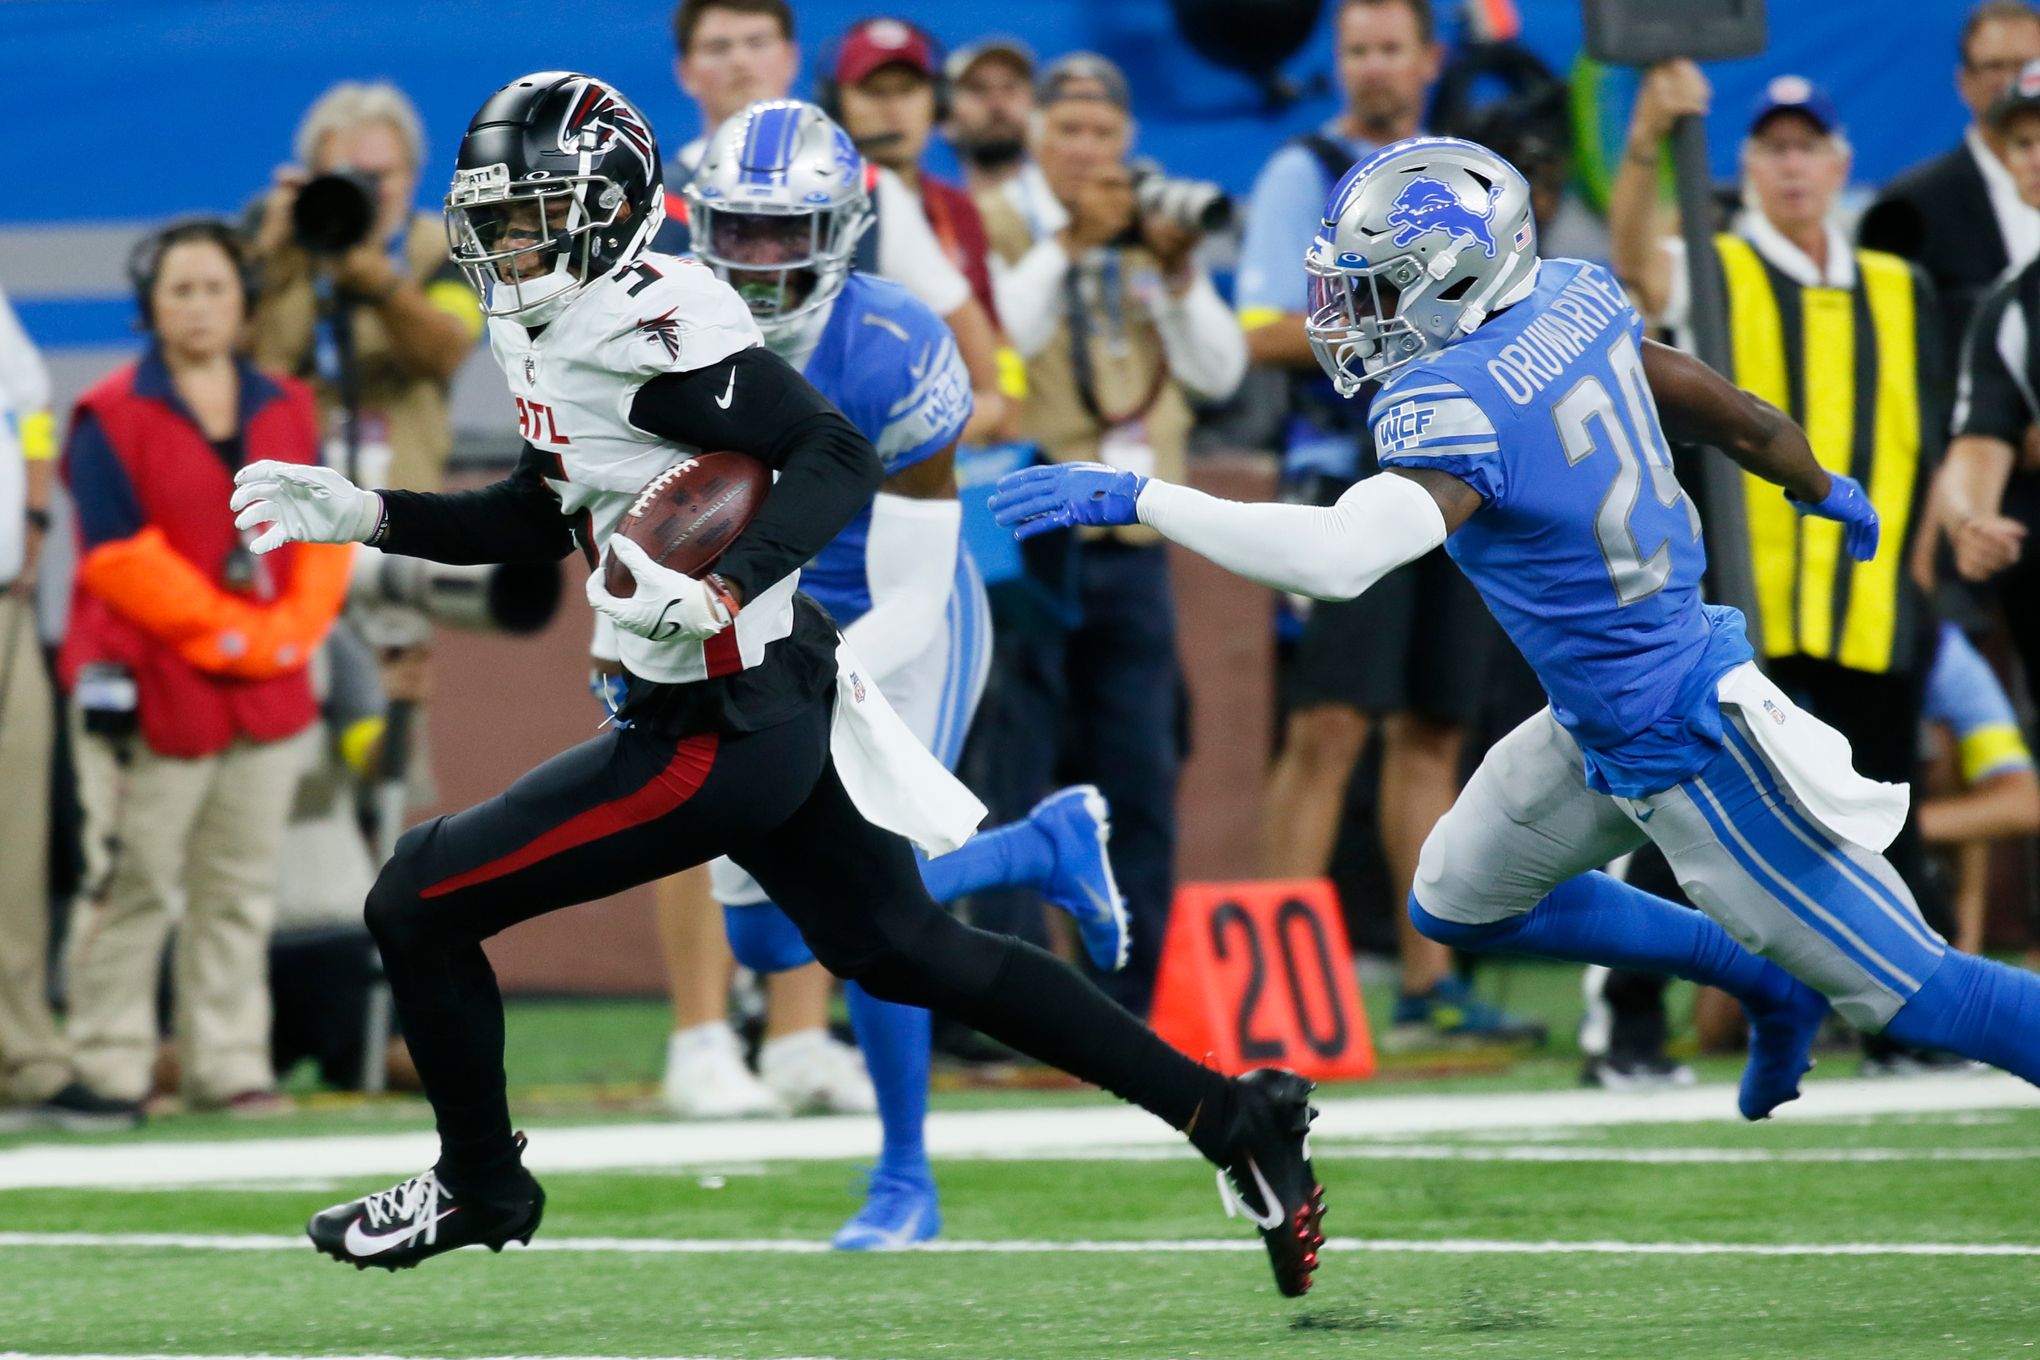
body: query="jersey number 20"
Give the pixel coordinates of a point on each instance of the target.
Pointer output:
(1635, 575)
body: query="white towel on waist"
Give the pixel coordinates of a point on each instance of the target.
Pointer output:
(894, 780)
(1815, 761)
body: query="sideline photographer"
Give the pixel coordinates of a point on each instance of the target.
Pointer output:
(358, 297)
(1119, 327)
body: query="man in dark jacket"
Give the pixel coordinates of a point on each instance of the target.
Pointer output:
(1959, 216)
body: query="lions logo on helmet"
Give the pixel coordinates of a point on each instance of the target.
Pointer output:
(1427, 205)
(1420, 244)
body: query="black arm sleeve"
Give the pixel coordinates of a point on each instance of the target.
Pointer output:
(1990, 397)
(755, 402)
(518, 519)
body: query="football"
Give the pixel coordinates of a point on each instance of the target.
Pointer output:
(688, 515)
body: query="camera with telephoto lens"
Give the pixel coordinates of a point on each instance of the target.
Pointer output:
(1192, 204)
(333, 213)
(395, 600)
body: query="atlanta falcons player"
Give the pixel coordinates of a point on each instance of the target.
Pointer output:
(751, 733)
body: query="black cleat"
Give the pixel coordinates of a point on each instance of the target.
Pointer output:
(1268, 1177)
(401, 1226)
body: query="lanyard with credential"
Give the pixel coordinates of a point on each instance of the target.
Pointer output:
(1078, 314)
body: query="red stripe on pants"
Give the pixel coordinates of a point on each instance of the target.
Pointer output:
(721, 653)
(666, 790)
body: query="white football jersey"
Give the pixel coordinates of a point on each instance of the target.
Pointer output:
(573, 384)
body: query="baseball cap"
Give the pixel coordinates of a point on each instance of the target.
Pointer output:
(1072, 77)
(996, 45)
(883, 42)
(1795, 94)
(2021, 96)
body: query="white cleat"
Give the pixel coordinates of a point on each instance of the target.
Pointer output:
(706, 1077)
(813, 1074)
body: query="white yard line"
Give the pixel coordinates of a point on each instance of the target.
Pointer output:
(1454, 1246)
(1048, 1133)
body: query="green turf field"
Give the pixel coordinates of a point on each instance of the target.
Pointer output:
(1962, 1180)
(1865, 1236)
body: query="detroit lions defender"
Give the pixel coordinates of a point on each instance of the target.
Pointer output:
(1518, 420)
(751, 730)
(776, 216)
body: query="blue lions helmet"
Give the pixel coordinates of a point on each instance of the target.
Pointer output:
(1420, 243)
(777, 207)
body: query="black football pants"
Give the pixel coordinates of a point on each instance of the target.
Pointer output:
(631, 806)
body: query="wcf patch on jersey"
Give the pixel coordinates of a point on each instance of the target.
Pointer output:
(1403, 426)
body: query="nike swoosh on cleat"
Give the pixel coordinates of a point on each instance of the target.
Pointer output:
(1235, 1203)
(359, 1243)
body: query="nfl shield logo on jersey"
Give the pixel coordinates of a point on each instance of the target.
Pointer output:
(530, 369)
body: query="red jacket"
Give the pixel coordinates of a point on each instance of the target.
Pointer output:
(213, 658)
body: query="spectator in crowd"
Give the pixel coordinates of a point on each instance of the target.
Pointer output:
(729, 55)
(37, 1079)
(413, 318)
(1851, 641)
(185, 661)
(1959, 216)
(1987, 497)
(991, 99)
(885, 92)
(1980, 785)
(1119, 326)
(1410, 658)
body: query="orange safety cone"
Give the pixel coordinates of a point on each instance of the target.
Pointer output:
(1259, 974)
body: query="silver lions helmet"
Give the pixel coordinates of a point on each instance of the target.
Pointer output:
(777, 206)
(1420, 244)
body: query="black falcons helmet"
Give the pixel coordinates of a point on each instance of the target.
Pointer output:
(557, 182)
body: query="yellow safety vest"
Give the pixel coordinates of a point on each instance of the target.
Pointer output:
(1847, 365)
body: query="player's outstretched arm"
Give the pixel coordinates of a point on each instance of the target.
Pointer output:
(754, 402)
(1696, 405)
(1327, 552)
(517, 519)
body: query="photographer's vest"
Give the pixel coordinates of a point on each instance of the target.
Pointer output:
(401, 409)
(1856, 369)
(1122, 382)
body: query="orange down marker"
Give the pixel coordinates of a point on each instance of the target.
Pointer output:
(1258, 974)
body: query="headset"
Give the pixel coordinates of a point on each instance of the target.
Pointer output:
(829, 96)
(146, 260)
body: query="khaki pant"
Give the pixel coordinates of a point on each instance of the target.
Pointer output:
(33, 1062)
(169, 838)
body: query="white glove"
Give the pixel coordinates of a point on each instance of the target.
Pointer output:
(302, 504)
(668, 605)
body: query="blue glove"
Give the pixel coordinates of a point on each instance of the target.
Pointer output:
(612, 690)
(1058, 495)
(1846, 504)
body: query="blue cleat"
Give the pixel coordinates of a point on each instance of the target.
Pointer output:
(1781, 1050)
(1078, 824)
(899, 1210)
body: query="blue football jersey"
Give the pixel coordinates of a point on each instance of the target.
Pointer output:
(891, 365)
(1585, 548)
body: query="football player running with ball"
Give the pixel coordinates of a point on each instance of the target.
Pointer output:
(751, 733)
(777, 207)
(1522, 422)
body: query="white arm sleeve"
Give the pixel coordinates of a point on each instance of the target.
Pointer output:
(603, 646)
(910, 566)
(1030, 295)
(1327, 553)
(1207, 350)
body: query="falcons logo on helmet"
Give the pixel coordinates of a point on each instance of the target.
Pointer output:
(601, 112)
